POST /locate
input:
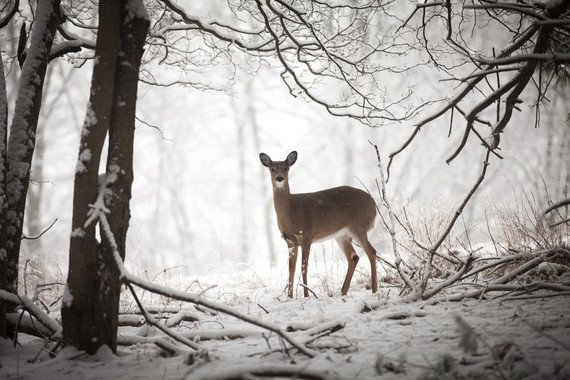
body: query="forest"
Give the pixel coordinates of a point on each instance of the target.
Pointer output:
(141, 236)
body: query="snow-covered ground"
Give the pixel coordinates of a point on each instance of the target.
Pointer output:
(382, 337)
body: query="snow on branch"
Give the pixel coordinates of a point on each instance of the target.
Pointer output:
(64, 48)
(27, 304)
(151, 321)
(75, 39)
(213, 27)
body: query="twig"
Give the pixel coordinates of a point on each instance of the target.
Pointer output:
(392, 227)
(309, 289)
(152, 322)
(24, 237)
(262, 308)
(564, 202)
(535, 296)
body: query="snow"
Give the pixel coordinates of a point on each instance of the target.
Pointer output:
(137, 10)
(67, 298)
(84, 158)
(90, 116)
(383, 337)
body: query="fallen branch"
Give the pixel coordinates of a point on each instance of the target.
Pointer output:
(450, 281)
(151, 321)
(525, 288)
(195, 336)
(22, 323)
(171, 319)
(55, 330)
(270, 371)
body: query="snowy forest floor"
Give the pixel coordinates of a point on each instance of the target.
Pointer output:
(383, 338)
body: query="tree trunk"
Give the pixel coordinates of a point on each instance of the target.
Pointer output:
(91, 301)
(119, 171)
(3, 199)
(81, 316)
(23, 130)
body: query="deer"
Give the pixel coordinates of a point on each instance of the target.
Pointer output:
(345, 214)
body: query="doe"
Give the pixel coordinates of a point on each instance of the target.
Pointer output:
(343, 213)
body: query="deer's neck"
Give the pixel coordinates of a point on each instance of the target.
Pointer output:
(282, 200)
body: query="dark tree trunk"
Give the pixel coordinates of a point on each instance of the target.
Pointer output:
(81, 316)
(90, 305)
(23, 130)
(3, 196)
(119, 171)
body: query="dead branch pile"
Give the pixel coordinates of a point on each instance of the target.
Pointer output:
(532, 260)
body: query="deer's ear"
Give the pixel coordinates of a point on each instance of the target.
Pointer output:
(265, 160)
(291, 158)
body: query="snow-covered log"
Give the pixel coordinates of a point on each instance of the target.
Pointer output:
(25, 303)
(273, 371)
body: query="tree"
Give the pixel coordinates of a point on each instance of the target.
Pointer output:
(3, 196)
(18, 150)
(91, 305)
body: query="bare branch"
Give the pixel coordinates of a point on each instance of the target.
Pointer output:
(434, 247)
(35, 311)
(562, 203)
(41, 234)
(9, 14)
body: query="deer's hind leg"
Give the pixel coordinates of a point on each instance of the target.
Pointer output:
(345, 244)
(362, 241)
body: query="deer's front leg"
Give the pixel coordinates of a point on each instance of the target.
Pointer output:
(293, 251)
(305, 250)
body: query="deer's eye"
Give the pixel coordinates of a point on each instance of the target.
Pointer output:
(272, 170)
(286, 169)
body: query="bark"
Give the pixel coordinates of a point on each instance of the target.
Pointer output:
(81, 316)
(119, 172)
(90, 306)
(23, 130)
(3, 199)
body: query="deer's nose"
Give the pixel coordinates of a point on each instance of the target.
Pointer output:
(279, 178)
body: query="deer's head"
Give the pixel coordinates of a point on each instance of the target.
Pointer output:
(279, 169)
